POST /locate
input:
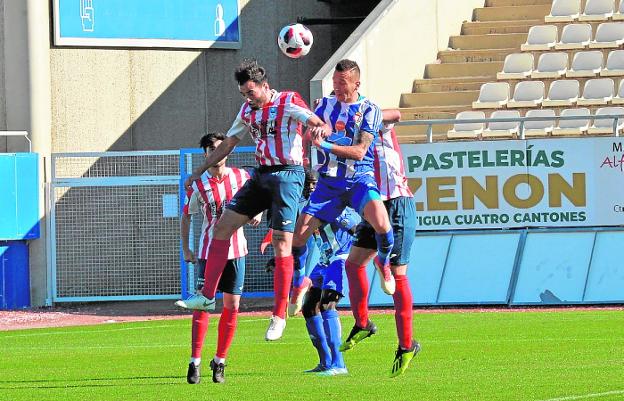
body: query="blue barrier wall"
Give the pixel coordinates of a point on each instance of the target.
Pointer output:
(19, 199)
(19, 221)
(14, 275)
(514, 267)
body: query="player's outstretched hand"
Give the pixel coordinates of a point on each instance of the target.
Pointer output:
(188, 183)
(255, 221)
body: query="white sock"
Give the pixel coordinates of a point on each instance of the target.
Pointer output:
(195, 361)
(219, 360)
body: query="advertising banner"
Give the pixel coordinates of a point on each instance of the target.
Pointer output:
(147, 23)
(567, 182)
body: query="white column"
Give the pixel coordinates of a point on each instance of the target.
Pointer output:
(38, 23)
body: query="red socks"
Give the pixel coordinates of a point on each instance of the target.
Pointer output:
(227, 328)
(281, 284)
(215, 263)
(199, 328)
(358, 292)
(403, 311)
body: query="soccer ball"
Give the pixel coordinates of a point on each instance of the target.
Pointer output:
(295, 40)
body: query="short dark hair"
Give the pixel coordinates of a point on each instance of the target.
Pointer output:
(310, 178)
(249, 70)
(347, 65)
(209, 139)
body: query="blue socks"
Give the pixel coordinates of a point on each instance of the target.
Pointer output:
(333, 330)
(316, 331)
(385, 243)
(300, 255)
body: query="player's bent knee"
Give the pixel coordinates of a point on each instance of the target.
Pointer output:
(330, 299)
(311, 303)
(371, 195)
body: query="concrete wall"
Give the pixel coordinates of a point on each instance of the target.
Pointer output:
(99, 99)
(112, 99)
(394, 43)
(14, 84)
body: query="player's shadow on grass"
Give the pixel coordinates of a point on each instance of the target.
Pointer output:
(91, 382)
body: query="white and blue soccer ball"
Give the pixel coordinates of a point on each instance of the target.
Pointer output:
(295, 40)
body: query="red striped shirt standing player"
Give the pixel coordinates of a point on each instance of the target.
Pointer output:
(275, 121)
(209, 195)
(398, 199)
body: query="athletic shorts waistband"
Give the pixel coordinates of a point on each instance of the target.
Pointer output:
(281, 167)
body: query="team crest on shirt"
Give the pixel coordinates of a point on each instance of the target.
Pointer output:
(272, 113)
(357, 120)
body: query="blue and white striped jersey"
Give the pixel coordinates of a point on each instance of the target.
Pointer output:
(347, 120)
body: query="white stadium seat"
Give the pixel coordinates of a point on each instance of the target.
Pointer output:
(502, 129)
(551, 65)
(540, 37)
(608, 35)
(492, 96)
(615, 63)
(539, 128)
(573, 127)
(575, 36)
(467, 130)
(619, 14)
(564, 11)
(585, 64)
(527, 94)
(597, 92)
(605, 126)
(562, 93)
(597, 10)
(517, 66)
(619, 98)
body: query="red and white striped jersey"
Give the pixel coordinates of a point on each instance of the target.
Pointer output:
(389, 168)
(276, 128)
(209, 196)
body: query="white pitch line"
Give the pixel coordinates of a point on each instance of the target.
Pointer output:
(585, 396)
(100, 329)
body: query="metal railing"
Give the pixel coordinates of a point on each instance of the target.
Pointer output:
(522, 120)
(18, 133)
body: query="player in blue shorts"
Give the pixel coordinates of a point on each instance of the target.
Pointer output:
(319, 308)
(345, 166)
(399, 201)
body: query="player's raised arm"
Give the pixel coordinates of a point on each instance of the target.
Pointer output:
(390, 116)
(361, 142)
(317, 128)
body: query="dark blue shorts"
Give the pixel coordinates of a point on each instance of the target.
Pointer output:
(329, 277)
(232, 279)
(402, 214)
(332, 195)
(273, 188)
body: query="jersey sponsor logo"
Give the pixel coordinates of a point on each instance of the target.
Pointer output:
(340, 125)
(255, 131)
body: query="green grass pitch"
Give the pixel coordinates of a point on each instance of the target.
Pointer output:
(536, 355)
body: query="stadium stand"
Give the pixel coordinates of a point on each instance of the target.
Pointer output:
(540, 58)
